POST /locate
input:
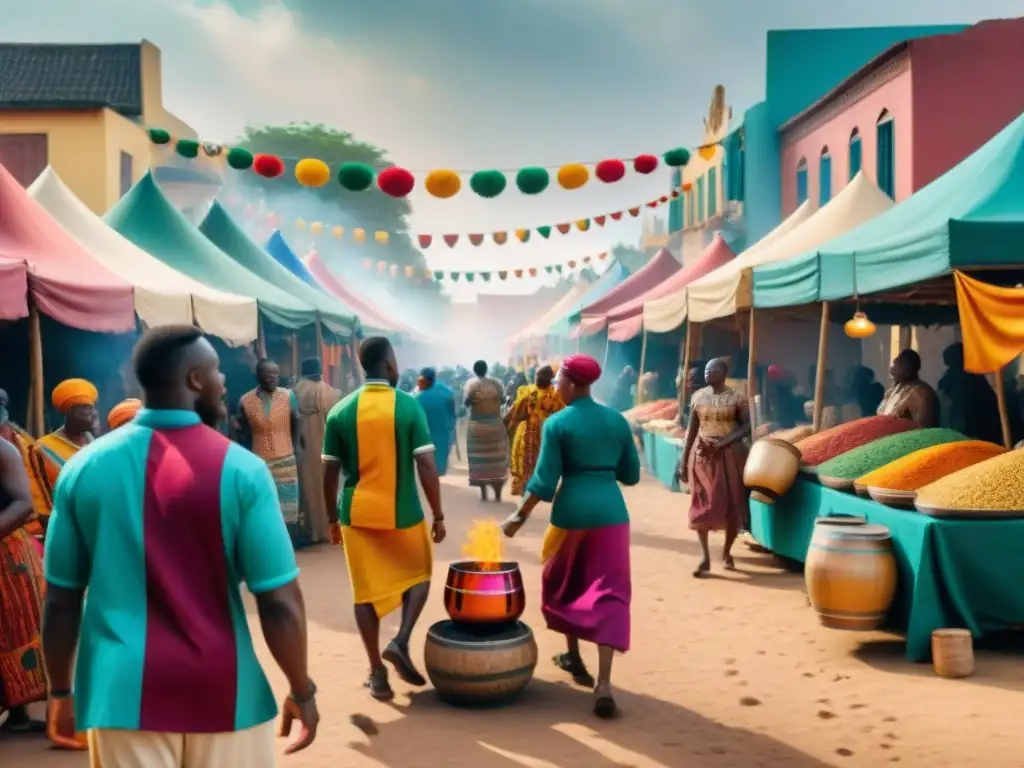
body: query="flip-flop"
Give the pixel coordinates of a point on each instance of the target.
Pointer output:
(606, 708)
(702, 571)
(729, 564)
(380, 688)
(574, 667)
(398, 657)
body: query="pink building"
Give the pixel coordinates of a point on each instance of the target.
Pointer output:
(908, 116)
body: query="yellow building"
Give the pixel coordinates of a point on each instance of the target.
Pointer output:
(83, 109)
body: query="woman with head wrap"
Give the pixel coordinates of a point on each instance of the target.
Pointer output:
(76, 400)
(123, 412)
(35, 463)
(531, 408)
(712, 463)
(438, 402)
(586, 450)
(486, 436)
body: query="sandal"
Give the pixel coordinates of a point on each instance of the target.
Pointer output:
(728, 563)
(398, 657)
(702, 570)
(380, 688)
(606, 708)
(575, 667)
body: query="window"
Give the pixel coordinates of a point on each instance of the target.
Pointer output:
(886, 176)
(675, 208)
(855, 153)
(126, 173)
(801, 181)
(824, 177)
(712, 192)
(700, 200)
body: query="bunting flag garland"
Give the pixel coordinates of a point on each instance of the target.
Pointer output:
(420, 274)
(443, 184)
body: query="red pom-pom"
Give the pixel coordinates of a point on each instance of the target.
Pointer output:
(396, 182)
(268, 166)
(645, 163)
(610, 171)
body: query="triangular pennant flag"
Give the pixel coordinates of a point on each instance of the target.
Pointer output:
(586, 259)
(583, 225)
(451, 240)
(634, 212)
(599, 220)
(549, 269)
(707, 151)
(558, 268)
(603, 256)
(571, 264)
(616, 216)
(518, 273)
(652, 204)
(675, 193)
(500, 237)
(425, 240)
(455, 276)
(564, 228)
(476, 239)
(533, 271)
(663, 199)
(486, 276)
(469, 277)
(428, 274)
(503, 274)
(523, 235)
(544, 232)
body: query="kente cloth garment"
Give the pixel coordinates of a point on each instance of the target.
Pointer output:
(316, 398)
(123, 412)
(22, 589)
(531, 409)
(286, 480)
(914, 400)
(57, 450)
(718, 498)
(586, 585)
(254, 747)
(72, 392)
(375, 434)
(438, 403)
(486, 434)
(165, 644)
(35, 464)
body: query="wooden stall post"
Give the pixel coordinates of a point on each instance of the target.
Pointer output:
(37, 386)
(640, 376)
(752, 361)
(1004, 416)
(295, 356)
(819, 376)
(261, 340)
(687, 359)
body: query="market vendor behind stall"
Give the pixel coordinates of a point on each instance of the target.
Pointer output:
(909, 397)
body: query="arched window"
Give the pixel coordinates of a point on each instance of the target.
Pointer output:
(801, 181)
(855, 152)
(824, 177)
(886, 167)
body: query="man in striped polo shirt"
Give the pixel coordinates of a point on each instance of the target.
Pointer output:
(379, 438)
(160, 521)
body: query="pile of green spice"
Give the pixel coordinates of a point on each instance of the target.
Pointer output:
(869, 457)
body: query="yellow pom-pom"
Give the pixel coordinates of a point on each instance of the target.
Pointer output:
(573, 176)
(316, 228)
(312, 172)
(338, 232)
(359, 235)
(300, 223)
(443, 183)
(381, 237)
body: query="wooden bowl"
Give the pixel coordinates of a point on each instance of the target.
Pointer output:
(836, 483)
(969, 514)
(892, 498)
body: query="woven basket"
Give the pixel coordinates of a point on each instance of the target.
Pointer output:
(952, 653)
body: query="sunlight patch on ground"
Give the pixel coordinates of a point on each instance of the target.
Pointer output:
(612, 752)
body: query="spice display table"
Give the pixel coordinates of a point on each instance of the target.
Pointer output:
(952, 573)
(661, 457)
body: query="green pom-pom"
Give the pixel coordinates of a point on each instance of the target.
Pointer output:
(239, 158)
(355, 177)
(159, 136)
(187, 147)
(488, 183)
(677, 158)
(533, 181)
(545, 232)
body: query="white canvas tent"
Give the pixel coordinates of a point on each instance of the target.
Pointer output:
(163, 296)
(538, 328)
(728, 289)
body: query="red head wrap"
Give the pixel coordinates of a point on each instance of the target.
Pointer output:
(580, 369)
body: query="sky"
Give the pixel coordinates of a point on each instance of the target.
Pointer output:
(471, 84)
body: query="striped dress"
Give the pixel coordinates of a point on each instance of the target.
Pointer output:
(486, 435)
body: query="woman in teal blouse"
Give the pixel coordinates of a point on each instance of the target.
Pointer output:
(586, 450)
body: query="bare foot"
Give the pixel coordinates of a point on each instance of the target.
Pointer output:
(703, 569)
(728, 563)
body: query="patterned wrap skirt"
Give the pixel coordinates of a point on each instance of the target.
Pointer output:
(487, 450)
(285, 472)
(22, 589)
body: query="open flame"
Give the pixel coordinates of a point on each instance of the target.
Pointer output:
(485, 544)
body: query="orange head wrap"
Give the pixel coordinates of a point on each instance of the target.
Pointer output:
(123, 412)
(72, 392)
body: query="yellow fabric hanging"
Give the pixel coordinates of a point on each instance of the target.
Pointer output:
(991, 321)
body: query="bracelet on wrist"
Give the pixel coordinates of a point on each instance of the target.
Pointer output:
(60, 693)
(307, 696)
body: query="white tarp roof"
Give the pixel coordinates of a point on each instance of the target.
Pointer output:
(728, 289)
(163, 296)
(538, 328)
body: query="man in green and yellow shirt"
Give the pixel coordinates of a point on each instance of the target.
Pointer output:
(378, 438)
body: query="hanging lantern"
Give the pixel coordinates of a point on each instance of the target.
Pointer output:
(645, 164)
(268, 166)
(488, 184)
(359, 235)
(859, 327)
(610, 171)
(533, 180)
(381, 237)
(311, 172)
(677, 158)
(355, 177)
(300, 223)
(573, 176)
(338, 232)
(316, 228)
(395, 182)
(442, 184)
(240, 159)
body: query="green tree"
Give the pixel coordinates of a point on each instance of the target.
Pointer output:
(629, 257)
(334, 205)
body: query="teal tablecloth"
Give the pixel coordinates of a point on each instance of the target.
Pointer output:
(661, 457)
(952, 573)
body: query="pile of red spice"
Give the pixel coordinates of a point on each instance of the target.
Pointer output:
(830, 443)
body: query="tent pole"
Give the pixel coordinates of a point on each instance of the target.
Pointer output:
(640, 376)
(607, 346)
(687, 359)
(819, 377)
(261, 340)
(1004, 417)
(35, 347)
(295, 356)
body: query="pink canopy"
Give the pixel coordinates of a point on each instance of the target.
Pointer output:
(368, 314)
(627, 320)
(653, 273)
(67, 283)
(13, 289)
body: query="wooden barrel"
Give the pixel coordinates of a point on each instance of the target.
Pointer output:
(850, 574)
(474, 665)
(771, 468)
(952, 653)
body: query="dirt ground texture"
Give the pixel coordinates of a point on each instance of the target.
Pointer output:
(730, 671)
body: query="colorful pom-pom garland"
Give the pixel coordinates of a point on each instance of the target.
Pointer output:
(395, 182)
(488, 184)
(268, 166)
(442, 184)
(355, 177)
(533, 180)
(311, 172)
(573, 176)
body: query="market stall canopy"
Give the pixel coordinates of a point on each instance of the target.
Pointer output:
(13, 289)
(537, 328)
(65, 281)
(593, 318)
(283, 254)
(970, 217)
(148, 219)
(163, 296)
(627, 320)
(368, 314)
(614, 276)
(223, 232)
(668, 312)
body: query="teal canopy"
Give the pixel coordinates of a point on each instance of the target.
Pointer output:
(148, 219)
(614, 275)
(221, 230)
(972, 217)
